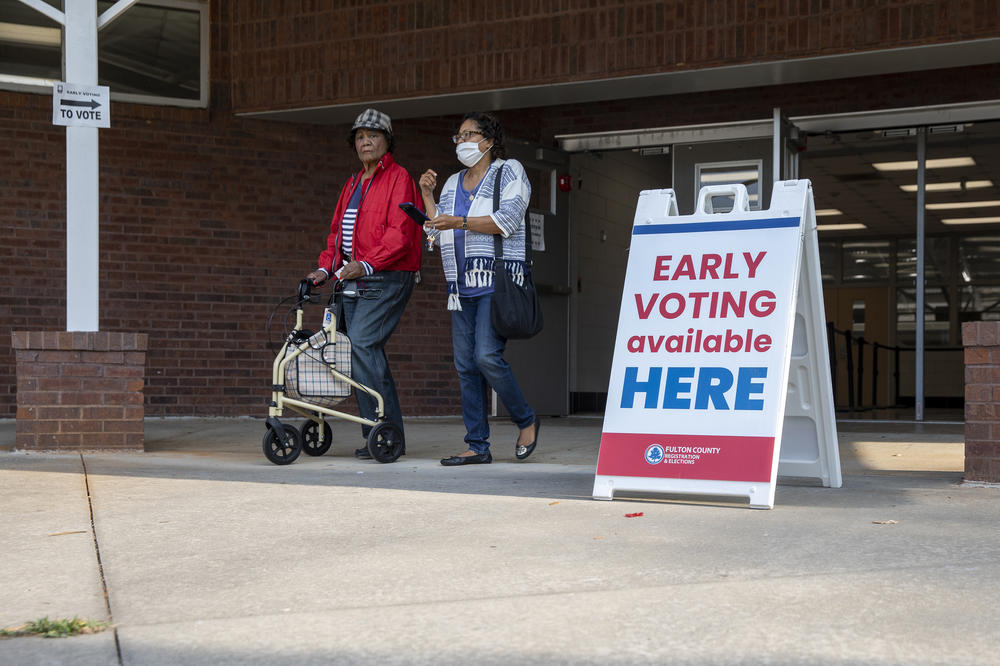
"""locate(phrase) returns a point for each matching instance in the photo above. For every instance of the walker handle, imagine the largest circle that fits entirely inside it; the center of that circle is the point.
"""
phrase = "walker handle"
(305, 291)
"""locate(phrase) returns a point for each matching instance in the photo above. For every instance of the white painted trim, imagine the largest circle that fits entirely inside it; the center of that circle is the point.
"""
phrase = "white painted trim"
(937, 114)
(113, 12)
(25, 83)
(659, 136)
(47, 9)
(942, 114)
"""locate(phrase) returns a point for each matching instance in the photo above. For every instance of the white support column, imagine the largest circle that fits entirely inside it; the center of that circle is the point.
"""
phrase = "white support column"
(82, 186)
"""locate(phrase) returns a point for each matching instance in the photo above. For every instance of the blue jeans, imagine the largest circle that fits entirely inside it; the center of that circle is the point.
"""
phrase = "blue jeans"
(370, 317)
(480, 363)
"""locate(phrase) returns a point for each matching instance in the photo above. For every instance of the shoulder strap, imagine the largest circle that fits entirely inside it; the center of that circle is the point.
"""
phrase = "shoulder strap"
(497, 241)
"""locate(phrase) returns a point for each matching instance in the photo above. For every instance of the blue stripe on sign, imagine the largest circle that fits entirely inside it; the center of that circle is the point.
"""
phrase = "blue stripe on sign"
(695, 227)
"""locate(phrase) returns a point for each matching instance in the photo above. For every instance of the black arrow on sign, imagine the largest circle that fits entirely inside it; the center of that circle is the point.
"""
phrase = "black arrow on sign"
(93, 104)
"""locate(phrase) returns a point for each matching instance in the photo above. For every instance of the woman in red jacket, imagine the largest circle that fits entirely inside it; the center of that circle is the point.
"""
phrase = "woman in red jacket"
(375, 249)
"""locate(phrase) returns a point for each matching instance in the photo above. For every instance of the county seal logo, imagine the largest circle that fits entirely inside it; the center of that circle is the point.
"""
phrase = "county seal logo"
(654, 454)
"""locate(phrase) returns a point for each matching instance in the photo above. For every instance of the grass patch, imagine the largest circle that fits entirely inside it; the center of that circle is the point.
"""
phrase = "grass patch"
(47, 628)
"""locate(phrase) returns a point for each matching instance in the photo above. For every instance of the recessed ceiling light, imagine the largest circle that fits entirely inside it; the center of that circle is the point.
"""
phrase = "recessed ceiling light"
(963, 204)
(840, 227)
(828, 211)
(954, 186)
(971, 220)
(941, 163)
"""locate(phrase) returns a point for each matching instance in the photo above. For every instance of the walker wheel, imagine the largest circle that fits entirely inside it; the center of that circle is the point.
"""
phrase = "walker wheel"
(385, 442)
(279, 452)
(311, 444)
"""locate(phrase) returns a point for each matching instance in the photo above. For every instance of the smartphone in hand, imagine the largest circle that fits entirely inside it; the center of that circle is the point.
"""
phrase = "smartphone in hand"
(415, 213)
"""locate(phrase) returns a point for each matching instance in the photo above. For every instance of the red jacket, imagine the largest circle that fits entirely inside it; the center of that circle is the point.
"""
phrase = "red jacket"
(384, 236)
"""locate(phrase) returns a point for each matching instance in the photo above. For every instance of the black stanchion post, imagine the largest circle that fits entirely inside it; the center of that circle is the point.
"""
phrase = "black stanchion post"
(831, 343)
(895, 375)
(861, 373)
(875, 347)
(849, 346)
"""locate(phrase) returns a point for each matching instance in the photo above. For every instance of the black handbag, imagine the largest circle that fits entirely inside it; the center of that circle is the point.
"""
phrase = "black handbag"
(515, 310)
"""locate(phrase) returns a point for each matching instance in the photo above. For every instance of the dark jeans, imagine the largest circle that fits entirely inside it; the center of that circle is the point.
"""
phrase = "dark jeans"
(370, 317)
(479, 361)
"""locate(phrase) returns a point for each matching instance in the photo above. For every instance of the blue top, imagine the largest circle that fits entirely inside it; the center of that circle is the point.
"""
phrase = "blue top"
(463, 199)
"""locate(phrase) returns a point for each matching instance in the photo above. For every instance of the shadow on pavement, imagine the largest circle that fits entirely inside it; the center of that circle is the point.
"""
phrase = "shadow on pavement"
(881, 456)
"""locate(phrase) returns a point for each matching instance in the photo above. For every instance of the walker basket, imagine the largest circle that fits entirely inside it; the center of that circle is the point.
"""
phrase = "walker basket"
(308, 376)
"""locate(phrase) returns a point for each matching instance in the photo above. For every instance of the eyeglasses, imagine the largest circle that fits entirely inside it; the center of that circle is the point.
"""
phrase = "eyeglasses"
(464, 136)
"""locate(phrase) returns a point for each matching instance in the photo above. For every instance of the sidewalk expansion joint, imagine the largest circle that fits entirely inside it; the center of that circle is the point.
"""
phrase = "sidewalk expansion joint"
(100, 564)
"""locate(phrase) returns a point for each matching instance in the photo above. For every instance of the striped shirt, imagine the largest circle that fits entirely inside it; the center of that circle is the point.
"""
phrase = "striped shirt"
(347, 226)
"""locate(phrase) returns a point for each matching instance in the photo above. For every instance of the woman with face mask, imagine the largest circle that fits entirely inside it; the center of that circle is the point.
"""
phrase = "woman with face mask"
(464, 224)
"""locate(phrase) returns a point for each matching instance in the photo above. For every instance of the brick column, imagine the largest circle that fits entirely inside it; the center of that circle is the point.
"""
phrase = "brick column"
(80, 391)
(981, 340)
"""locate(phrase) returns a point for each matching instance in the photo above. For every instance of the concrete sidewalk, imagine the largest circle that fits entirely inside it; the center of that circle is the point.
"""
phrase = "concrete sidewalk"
(211, 555)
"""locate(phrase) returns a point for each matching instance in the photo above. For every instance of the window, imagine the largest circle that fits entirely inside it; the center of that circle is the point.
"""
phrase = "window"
(745, 173)
(937, 260)
(866, 261)
(979, 258)
(937, 330)
(829, 253)
(156, 52)
(30, 45)
(980, 303)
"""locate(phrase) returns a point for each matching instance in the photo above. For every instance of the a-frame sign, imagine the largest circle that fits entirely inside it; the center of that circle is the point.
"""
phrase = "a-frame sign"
(720, 363)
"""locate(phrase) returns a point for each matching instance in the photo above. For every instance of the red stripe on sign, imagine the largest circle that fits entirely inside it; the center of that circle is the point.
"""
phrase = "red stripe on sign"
(707, 457)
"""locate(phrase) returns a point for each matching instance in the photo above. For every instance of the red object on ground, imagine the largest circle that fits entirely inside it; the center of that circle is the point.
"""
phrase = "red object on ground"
(633, 515)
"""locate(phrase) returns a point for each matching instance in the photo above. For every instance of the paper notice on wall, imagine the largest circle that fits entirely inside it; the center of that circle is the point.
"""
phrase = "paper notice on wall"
(537, 222)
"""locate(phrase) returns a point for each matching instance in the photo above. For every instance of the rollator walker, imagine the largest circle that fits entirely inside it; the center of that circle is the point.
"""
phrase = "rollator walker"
(310, 375)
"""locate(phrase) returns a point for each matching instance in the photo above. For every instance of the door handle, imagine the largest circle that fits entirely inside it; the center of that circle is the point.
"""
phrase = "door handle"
(553, 289)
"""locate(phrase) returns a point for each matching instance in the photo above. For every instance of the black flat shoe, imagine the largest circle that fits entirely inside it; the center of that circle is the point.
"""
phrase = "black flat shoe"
(522, 452)
(363, 453)
(478, 459)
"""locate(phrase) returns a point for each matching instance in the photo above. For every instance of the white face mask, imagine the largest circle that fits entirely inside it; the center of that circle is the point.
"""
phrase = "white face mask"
(468, 153)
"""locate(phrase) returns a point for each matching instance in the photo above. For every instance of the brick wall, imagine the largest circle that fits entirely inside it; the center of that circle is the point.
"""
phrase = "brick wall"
(982, 400)
(79, 391)
(206, 223)
(208, 220)
(288, 55)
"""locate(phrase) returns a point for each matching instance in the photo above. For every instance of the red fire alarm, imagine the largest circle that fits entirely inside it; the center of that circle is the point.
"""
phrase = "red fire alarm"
(565, 183)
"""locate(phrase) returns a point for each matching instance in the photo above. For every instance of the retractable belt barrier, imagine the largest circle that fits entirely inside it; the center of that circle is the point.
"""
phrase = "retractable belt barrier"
(720, 361)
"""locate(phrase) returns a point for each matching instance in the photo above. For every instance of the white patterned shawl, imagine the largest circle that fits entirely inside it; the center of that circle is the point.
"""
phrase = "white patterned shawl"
(515, 192)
